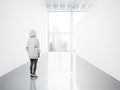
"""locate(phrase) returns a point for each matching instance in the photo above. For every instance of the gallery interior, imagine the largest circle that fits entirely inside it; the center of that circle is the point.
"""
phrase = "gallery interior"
(79, 44)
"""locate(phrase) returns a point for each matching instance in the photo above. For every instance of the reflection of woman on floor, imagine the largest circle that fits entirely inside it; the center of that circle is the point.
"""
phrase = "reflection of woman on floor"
(33, 84)
(33, 52)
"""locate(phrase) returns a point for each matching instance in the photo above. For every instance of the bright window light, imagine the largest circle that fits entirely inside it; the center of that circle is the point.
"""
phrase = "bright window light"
(59, 22)
(62, 27)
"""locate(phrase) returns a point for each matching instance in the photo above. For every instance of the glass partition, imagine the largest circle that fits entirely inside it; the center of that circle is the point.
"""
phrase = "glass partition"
(61, 33)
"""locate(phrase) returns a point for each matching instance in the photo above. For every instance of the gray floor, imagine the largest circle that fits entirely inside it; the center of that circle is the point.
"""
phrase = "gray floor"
(87, 77)
(91, 78)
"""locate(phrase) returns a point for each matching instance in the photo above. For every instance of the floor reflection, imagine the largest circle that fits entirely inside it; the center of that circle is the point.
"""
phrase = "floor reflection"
(33, 84)
(59, 71)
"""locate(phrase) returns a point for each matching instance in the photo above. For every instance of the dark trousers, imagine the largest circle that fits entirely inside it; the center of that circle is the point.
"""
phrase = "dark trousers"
(33, 66)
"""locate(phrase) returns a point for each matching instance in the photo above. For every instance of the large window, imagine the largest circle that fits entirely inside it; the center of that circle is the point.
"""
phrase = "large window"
(62, 31)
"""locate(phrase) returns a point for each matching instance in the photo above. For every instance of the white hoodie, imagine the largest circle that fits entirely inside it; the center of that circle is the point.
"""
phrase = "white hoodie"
(33, 46)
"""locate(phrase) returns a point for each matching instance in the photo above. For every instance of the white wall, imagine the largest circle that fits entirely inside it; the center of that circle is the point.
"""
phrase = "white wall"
(98, 35)
(17, 18)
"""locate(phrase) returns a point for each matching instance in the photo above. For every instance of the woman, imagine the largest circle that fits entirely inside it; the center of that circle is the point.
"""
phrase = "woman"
(33, 52)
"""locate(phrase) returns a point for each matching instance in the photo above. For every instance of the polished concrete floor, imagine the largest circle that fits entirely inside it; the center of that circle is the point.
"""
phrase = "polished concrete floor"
(59, 71)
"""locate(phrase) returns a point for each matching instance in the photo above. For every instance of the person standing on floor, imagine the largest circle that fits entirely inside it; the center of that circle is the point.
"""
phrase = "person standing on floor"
(33, 50)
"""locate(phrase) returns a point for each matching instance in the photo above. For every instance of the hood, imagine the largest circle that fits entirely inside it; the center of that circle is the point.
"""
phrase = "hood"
(33, 33)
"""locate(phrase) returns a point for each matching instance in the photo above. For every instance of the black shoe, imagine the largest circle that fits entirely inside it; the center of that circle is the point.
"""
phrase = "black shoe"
(31, 75)
(34, 75)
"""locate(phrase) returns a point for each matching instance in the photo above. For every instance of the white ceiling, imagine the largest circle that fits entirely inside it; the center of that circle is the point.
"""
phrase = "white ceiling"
(68, 5)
